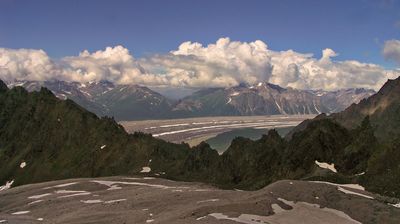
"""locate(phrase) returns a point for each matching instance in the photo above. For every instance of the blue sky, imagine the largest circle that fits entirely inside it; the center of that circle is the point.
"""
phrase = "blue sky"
(355, 29)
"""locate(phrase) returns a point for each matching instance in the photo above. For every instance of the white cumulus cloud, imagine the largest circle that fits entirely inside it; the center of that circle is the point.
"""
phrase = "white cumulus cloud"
(221, 64)
(114, 64)
(225, 63)
(391, 50)
(303, 71)
(26, 64)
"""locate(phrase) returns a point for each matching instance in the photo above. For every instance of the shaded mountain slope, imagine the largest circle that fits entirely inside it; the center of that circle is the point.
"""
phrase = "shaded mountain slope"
(374, 148)
(58, 139)
(383, 108)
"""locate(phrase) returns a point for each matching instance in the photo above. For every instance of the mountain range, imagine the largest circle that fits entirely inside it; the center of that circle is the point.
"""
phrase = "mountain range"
(44, 138)
(134, 102)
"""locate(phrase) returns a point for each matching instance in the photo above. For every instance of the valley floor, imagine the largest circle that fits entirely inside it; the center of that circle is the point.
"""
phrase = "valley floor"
(195, 130)
(155, 200)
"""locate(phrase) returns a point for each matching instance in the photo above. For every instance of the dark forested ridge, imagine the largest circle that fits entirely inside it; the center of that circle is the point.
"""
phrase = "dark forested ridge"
(59, 139)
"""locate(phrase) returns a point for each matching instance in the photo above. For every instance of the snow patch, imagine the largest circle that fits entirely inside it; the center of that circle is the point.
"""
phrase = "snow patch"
(20, 213)
(316, 109)
(328, 166)
(209, 200)
(277, 209)
(202, 190)
(145, 169)
(91, 201)
(355, 193)
(115, 201)
(39, 196)
(6, 186)
(65, 185)
(279, 108)
(103, 146)
(341, 188)
(69, 192)
(35, 202)
(359, 174)
(352, 186)
(111, 183)
(22, 165)
(74, 195)
(315, 214)
(200, 218)
(114, 187)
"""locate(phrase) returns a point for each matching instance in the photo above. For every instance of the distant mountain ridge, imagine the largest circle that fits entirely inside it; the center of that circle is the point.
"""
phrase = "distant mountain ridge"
(339, 100)
(123, 102)
(134, 102)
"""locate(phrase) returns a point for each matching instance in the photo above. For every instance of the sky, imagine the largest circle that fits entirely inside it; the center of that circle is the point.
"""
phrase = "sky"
(357, 30)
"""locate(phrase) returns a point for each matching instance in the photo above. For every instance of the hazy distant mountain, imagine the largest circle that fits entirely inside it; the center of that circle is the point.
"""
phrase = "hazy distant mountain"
(129, 102)
(77, 92)
(123, 102)
(339, 100)
(266, 98)
(133, 102)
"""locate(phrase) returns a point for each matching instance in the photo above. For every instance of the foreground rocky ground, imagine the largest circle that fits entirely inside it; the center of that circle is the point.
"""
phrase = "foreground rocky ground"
(154, 200)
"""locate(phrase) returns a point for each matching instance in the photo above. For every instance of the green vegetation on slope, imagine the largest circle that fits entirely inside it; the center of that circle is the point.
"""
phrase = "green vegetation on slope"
(222, 141)
(59, 139)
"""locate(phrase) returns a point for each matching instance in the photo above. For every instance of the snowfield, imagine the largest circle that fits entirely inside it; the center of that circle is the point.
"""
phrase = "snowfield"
(153, 200)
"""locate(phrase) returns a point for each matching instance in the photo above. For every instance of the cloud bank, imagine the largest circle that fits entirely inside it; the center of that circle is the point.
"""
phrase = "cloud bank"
(221, 64)
(391, 50)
